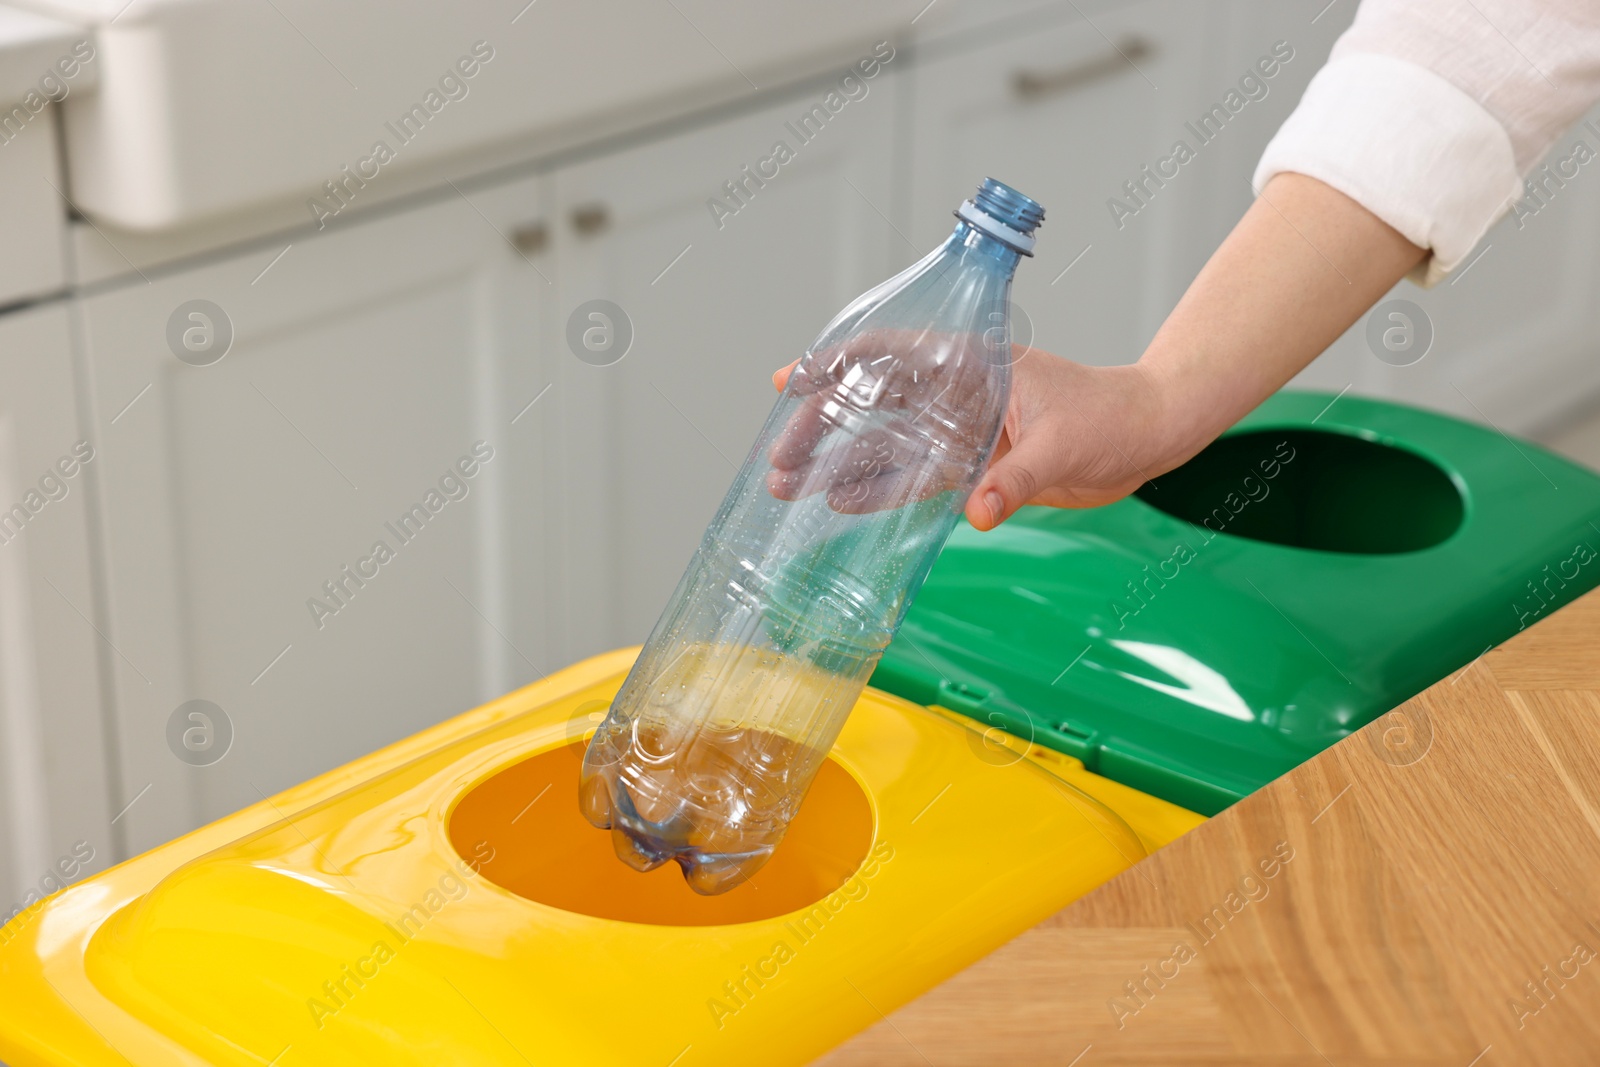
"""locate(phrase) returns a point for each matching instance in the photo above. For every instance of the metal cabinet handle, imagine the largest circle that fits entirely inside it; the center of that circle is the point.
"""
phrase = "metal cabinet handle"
(590, 219)
(530, 237)
(1034, 85)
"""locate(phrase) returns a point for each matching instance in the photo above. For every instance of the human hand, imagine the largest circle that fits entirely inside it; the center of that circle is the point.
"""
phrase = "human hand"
(1304, 263)
(1074, 435)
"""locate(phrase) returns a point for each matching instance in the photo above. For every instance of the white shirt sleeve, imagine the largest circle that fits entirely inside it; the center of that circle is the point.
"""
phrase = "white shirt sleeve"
(1429, 112)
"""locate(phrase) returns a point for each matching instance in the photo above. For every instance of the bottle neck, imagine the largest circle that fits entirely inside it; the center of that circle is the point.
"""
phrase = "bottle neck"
(967, 240)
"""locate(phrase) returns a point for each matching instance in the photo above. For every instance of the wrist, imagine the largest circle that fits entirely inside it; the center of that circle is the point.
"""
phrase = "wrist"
(1185, 410)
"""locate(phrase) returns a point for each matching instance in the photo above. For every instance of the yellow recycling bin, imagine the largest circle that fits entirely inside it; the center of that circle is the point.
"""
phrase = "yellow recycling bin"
(443, 902)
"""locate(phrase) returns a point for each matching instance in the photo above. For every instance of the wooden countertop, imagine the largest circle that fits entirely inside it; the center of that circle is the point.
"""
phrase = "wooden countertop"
(1426, 893)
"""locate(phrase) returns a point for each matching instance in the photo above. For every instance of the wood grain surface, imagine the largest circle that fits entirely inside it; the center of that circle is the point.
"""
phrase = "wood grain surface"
(1426, 893)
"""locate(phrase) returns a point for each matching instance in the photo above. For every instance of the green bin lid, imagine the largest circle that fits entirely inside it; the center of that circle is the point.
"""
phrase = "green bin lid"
(1319, 564)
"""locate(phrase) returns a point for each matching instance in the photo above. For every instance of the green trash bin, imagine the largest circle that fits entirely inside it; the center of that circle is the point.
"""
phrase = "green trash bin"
(1309, 571)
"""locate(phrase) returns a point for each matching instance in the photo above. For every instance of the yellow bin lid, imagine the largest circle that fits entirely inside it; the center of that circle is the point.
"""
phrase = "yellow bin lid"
(442, 901)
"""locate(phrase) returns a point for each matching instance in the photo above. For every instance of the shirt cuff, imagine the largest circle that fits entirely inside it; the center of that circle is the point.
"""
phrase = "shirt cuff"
(1406, 145)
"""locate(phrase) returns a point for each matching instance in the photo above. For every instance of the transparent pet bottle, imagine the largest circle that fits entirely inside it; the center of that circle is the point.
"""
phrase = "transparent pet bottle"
(806, 571)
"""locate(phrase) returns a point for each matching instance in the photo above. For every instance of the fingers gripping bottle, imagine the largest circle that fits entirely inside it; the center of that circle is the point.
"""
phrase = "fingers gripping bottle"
(808, 567)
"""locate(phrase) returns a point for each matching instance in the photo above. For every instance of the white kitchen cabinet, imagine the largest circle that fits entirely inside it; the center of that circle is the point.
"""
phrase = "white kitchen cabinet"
(58, 795)
(715, 309)
(257, 115)
(365, 364)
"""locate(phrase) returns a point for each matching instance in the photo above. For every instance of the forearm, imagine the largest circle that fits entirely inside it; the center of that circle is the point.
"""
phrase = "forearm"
(1302, 265)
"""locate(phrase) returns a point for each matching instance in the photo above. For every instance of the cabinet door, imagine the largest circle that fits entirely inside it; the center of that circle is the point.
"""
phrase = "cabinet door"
(56, 806)
(1067, 113)
(367, 398)
(716, 302)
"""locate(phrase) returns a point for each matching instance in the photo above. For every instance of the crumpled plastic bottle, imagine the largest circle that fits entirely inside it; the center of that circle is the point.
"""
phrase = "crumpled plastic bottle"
(806, 571)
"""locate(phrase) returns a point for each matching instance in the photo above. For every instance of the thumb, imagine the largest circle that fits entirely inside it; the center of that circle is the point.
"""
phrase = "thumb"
(1010, 482)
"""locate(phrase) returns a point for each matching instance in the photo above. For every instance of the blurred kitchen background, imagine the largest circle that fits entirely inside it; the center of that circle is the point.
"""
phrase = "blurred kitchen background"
(258, 344)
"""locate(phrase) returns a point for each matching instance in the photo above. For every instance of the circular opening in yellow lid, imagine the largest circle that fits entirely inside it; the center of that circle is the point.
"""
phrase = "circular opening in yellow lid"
(526, 819)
